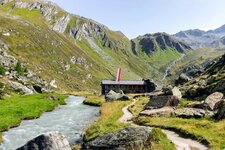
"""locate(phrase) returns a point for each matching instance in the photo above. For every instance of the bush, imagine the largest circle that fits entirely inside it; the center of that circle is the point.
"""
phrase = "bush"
(2, 70)
(20, 69)
(1, 85)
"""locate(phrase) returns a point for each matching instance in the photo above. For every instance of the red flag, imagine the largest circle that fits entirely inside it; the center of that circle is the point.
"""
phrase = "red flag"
(118, 74)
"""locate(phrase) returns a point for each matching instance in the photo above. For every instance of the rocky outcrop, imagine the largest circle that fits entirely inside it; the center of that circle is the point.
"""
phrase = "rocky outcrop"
(192, 113)
(162, 101)
(111, 96)
(161, 112)
(26, 83)
(214, 100)
(129, 138)
(61, 23)
(48, 141)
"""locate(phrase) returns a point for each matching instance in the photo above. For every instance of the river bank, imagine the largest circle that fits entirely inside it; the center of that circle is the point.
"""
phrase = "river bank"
(70, 119)
(17, 108)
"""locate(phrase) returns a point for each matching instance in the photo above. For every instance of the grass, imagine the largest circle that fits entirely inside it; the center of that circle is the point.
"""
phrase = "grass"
(159, 141)
(138, 106)
(94, 100)
(108, 121)
(15, 109)
(203, 130)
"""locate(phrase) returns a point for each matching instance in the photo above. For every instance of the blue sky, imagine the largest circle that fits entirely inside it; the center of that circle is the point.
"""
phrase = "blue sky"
(138, 17)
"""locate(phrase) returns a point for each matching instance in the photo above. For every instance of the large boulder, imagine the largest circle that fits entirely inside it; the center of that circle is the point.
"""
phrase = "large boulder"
(129, 138)
(221, 111)
(48, 141)
(111, 96)
(183, 78)
(167, 90)
(161, 112)
(176, 92)
(214, 100)
(192, 113)
(162, 101)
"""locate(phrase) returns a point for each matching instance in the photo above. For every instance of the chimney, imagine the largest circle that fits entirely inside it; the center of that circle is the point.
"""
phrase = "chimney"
(118, 75)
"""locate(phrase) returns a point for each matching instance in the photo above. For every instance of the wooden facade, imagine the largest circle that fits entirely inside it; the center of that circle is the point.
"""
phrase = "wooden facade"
(128, 86)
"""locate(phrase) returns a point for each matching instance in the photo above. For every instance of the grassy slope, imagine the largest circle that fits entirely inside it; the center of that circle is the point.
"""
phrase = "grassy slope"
(202, 129)
(17, 108)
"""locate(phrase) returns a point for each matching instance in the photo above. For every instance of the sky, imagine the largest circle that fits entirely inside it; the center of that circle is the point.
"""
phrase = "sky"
(138, 17)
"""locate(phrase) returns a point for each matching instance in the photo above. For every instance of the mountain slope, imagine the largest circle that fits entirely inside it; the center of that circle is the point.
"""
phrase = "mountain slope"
(159, 49)
(78, 59)
(75, 52)
(203, 39)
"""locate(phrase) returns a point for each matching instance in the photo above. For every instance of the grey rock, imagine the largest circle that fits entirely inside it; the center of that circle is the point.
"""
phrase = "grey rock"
(167, 90)
(183, 78)
(221, 111)
(161, 112)
(54, 98)
(61, 24)
(162, 101)
(214, 100)
(48, 141)
(111, 96)
(192, 113)
(125, 139)
(200, 105)
(176, 92)
(16, 86)
(53, 84)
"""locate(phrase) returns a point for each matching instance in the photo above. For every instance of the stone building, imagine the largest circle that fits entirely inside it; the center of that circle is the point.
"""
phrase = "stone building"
(127, 86)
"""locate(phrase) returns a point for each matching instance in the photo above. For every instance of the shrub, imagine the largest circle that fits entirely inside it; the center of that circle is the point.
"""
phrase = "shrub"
(20, 69)
(2, 70)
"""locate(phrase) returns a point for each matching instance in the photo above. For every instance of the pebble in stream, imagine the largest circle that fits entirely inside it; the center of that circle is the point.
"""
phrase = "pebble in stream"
(68, 119)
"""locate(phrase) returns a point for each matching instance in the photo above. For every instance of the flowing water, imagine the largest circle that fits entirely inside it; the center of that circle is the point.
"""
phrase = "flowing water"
(171, 66)
(70, 119)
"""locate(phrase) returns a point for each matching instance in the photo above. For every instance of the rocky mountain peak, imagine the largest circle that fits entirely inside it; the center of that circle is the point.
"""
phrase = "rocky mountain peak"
(220, 29)
(202, 39)
(149, 43)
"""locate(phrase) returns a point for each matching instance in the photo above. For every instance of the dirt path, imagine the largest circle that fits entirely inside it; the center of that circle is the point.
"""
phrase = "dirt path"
(127, 115)
(184, 143)
(180, 142)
